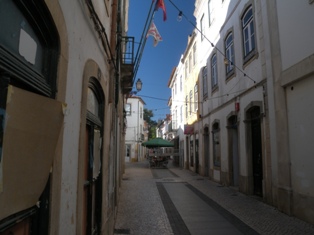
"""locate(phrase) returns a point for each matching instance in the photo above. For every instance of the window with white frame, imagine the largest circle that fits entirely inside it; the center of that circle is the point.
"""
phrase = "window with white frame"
(248, 32)
(127, 108)
(229, 53)
(214, 71)
(210, 12)
(181, 83)
(191, 97)
(205, 82)
(202, 27)
(186, 106)
(190, 62)
(181, 113)
(194, 54)
(175, 88)
(175, 118)
(186, 67)
(195, 97)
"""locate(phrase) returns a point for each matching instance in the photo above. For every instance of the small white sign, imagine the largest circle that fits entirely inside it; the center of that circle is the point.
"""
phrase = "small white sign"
(27, 47)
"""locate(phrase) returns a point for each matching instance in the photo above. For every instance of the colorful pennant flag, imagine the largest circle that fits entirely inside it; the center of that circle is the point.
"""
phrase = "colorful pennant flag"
(152, 31)
(161, 4)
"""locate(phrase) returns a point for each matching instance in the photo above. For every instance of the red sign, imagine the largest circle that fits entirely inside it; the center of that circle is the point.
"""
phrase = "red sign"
(237, 106)
(188, 129)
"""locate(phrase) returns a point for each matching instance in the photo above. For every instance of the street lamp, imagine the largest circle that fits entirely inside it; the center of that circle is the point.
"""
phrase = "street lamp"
(138, 86)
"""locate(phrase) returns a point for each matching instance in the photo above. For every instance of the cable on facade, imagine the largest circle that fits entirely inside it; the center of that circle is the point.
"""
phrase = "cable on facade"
(101, 32)
(212, 44)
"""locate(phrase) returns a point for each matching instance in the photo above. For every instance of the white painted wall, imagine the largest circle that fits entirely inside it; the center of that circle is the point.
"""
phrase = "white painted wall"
(295, 19)
(83, 45)
(300, 106)
(134, 123)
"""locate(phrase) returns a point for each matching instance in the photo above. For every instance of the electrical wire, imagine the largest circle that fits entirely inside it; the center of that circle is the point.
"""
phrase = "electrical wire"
(212, 44)
(143, 40)
(101, 32)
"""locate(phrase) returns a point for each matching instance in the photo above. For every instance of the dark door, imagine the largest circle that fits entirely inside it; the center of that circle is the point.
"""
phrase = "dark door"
(196, 157)
(257, 151)
(206, 151)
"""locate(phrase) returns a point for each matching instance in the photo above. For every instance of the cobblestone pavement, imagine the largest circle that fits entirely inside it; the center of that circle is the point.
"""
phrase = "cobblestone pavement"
(141, 210)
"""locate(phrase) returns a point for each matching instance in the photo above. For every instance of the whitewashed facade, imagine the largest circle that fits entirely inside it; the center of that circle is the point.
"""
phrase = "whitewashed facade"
(254, 123)
(134, 110)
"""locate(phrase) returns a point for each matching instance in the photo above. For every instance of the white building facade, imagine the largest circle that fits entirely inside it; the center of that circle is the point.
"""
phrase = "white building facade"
(177, 107)
(254, 119)
(134, 111)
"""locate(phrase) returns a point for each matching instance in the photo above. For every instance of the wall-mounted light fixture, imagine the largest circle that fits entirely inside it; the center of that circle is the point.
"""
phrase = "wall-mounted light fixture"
(226, 61)
(138, 86)
(179, 18)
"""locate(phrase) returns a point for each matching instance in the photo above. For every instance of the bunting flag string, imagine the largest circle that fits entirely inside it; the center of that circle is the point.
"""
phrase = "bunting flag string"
(152, 31)
(161, 4)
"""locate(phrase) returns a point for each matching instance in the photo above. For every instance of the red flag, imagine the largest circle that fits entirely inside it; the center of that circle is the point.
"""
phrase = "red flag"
(152, 31)
(161, 4)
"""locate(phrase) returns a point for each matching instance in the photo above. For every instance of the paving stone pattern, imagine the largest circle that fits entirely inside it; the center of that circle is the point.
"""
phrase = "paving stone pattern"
(141, 207)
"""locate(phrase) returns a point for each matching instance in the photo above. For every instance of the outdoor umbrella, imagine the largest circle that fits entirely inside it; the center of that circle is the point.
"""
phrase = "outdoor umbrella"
(157, 142)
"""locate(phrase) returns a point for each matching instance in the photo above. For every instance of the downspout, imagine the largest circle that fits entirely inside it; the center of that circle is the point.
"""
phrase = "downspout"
(115, 46)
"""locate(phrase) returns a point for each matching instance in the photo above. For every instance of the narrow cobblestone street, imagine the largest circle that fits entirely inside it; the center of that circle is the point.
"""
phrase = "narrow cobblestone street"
(176, 201)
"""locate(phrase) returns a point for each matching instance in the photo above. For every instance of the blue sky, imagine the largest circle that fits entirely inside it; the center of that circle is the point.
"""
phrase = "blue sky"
(157, 62)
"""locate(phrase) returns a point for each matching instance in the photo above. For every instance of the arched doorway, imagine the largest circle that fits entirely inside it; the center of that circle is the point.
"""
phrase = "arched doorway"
(93, 159)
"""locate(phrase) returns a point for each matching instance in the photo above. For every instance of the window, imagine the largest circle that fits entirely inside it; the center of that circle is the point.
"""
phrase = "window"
(248, 32)
(210, 12)
(186, 106)
(181, 83)
(190, 62)
(205, 82)
(141, 112)
(181, 113)
(186, 69)
(216, 144)
(214, 71)
(29, 51)
(229, 53)
(29, 55)
(202, 28)
(174, 126)
(175, 88)
(127, 109)
(194, 54)
(195, 97)
(92, 102)
(191, 96)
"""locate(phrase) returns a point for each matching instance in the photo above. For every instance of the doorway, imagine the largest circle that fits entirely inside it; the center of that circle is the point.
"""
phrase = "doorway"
(92, 197)
(257, 161)
(196, 157)
(233, 150)
(206, 150)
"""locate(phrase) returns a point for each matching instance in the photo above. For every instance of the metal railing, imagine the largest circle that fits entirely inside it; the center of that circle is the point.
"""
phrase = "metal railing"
(127, 50)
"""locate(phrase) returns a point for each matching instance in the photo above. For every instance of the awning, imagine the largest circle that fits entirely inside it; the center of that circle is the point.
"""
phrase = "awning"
(157, 142)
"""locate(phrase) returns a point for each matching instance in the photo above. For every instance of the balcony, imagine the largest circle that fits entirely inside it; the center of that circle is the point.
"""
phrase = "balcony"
(127, 64)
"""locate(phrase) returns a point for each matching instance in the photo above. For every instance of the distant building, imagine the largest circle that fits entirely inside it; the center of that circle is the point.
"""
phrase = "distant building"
(135, 129)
